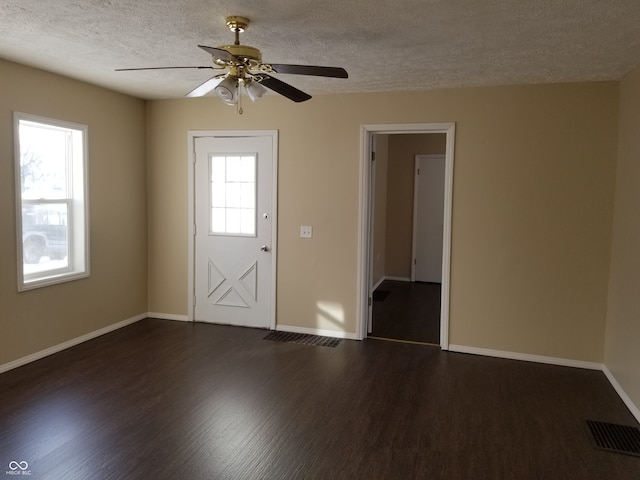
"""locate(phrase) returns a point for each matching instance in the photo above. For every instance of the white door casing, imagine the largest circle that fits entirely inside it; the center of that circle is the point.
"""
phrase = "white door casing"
(428, 218)
(234, 234)
(370, 233)
(367, 132)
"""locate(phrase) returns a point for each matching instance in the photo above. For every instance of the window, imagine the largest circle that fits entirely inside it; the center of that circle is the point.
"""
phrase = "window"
(233, 194)
(51, 201)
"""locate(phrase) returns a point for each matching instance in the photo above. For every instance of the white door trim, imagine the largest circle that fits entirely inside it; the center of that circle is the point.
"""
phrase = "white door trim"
(191, 156)
(414, 235)
(363, 309)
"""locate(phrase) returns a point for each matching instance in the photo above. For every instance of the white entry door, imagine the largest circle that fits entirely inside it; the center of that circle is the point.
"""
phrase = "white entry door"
(234, 231)
(428, 220)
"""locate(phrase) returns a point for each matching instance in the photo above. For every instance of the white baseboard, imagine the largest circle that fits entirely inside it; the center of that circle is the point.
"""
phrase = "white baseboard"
(70, 343)
(564, 362)
(316, 331)
(378, 283)
(395, 279)
(168, 316)
(635, 411)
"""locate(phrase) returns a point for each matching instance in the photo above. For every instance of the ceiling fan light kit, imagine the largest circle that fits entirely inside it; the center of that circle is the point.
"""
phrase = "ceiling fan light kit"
(245, 69)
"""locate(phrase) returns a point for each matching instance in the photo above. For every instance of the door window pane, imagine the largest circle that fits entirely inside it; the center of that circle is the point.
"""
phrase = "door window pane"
(233, 194)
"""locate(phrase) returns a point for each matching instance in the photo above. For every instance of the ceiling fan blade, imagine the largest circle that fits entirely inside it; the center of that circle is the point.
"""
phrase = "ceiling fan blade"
(220, 54)
(156, 68)
(205, 87)
(292, 93)
(335, 72)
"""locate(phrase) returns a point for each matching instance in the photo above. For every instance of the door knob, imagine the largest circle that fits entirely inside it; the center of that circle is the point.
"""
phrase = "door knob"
(264, 248)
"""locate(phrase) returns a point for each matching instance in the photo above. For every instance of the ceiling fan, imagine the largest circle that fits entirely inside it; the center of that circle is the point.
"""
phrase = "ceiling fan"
(244, 68)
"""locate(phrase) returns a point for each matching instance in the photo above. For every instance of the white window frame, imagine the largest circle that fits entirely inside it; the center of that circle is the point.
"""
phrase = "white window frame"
(77, 203)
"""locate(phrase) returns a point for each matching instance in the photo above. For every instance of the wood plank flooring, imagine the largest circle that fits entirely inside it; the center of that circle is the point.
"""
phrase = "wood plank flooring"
(165, 400)
(409, 311)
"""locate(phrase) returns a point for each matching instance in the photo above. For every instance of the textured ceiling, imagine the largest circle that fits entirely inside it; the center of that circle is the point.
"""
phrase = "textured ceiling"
(384, 45)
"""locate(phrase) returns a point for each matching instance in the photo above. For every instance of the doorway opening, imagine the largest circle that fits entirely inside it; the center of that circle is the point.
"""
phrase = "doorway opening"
(405, 227)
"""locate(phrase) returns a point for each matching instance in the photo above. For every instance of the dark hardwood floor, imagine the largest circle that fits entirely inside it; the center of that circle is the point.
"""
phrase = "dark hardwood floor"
(407, 311)
(166, 400)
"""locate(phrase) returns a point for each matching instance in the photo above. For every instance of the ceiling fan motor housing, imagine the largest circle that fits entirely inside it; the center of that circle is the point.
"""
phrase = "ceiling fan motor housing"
(246, 53)
(243, 52)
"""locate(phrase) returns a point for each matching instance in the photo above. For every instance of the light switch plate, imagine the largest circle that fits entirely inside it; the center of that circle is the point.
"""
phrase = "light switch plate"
(306, 232)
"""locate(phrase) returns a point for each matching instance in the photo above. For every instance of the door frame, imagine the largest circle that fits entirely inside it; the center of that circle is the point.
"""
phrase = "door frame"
(414, 233)
(365, 220)
(192, 135)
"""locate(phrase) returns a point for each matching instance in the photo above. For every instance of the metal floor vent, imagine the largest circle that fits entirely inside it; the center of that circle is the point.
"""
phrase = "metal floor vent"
(303, 338)
(615, 438)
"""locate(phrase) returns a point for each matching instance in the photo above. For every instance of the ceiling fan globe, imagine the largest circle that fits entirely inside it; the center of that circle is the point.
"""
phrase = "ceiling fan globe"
(254, 90)
(227, 90)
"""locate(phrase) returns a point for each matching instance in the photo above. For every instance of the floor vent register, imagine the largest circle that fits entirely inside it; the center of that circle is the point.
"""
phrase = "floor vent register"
(304, 339)
(615, 438)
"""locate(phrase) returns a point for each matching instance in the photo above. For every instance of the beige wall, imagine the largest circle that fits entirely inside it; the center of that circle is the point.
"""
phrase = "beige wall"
(402, 154)
(38, 319)
(533, 199)
(318, 186)
(622, 350)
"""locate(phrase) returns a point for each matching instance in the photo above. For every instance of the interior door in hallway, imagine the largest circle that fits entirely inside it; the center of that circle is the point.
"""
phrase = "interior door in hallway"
(428, 218)
(234, 229)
